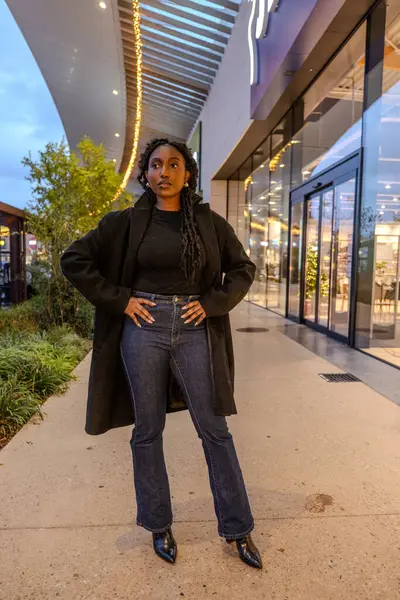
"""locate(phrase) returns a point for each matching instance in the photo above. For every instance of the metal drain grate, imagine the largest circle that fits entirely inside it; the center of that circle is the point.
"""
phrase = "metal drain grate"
(339, 377)
(252, 329)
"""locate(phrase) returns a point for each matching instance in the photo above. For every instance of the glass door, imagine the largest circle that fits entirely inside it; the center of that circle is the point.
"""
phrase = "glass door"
(322, 223)
(312, 257)
(342, 256)
(325, 258)
(296, 233)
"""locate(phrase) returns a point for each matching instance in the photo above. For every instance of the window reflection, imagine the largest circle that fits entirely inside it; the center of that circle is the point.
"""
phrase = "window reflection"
(330, 113)
(378, 313)
(278, 207)
(258, 211)
(295, 259)
(5, 266)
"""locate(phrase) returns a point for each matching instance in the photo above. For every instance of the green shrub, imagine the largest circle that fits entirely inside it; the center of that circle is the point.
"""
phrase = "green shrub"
(17, 405)
(59, 304)
(39, 314)
(20, 317)
(32, 368)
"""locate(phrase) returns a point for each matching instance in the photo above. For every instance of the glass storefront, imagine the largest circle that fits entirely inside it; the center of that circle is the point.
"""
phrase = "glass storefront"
(12, 256)
(5, 266)
(317, 206)
(378, 312)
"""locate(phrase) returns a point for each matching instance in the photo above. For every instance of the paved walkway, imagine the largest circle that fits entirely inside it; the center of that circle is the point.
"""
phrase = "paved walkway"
(322, 465)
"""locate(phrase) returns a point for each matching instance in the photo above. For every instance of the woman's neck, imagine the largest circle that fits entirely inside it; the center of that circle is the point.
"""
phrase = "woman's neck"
(172, 204)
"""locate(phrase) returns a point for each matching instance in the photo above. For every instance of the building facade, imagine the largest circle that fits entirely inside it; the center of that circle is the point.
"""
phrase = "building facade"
(12, 255)
(300, 153)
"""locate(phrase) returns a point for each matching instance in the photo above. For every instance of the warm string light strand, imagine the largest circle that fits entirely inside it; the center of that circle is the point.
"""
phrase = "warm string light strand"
(139, 97)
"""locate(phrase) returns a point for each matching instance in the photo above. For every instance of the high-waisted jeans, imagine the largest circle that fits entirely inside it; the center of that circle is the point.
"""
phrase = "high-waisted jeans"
(148, 354)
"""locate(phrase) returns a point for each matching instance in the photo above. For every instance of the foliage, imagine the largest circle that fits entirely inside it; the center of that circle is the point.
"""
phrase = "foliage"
(42, 313)
(381, 266)
(70, 193)
(32, 368)
(17, 406)
(312, 273)
(19, 317)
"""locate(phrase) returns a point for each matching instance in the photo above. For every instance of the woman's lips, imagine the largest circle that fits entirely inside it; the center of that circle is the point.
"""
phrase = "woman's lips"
(164, 184)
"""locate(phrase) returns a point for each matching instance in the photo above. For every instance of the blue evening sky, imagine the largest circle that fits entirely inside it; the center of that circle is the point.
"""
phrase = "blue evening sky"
(28, 116)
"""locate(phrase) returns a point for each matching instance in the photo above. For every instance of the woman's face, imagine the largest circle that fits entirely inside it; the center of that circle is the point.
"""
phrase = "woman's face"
(167, 172)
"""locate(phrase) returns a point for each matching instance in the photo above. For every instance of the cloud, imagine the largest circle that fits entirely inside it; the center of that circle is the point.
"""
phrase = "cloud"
(28, 116)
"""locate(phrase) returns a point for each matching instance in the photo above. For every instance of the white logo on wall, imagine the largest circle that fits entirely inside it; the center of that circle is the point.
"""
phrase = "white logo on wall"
(258, 25)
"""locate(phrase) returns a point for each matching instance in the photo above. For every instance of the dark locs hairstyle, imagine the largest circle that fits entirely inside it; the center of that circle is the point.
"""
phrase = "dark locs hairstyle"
(191, 248)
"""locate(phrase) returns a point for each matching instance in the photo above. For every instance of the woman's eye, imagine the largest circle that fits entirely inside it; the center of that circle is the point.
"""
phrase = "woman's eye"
(174, 165)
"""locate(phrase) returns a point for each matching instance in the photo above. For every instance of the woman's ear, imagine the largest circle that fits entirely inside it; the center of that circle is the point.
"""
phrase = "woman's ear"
(187, 176)
(146, 173)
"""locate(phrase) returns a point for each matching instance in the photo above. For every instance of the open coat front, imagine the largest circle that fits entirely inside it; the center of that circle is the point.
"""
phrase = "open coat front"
(101, 265)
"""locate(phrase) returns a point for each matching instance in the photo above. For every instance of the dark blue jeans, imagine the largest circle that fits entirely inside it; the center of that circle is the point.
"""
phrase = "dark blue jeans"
(148, 354)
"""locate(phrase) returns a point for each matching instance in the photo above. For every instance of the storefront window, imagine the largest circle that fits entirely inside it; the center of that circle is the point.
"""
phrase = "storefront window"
(244, 202)
(296, 230)
(5, 266)
(328, 118)
(258, 209)
(233, 200)
(378, 294)
(278, 221)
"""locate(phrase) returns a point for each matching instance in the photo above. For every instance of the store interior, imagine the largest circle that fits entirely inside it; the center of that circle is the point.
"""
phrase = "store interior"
(324, 127)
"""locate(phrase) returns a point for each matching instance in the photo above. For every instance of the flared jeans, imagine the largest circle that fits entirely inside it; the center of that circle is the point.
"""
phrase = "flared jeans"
(148, 354)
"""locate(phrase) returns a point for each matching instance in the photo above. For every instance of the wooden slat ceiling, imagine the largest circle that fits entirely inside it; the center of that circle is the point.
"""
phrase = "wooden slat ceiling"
(183, 42)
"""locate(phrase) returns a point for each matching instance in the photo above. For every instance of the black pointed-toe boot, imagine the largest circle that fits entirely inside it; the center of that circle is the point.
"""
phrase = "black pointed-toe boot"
(248, 551)
(165, 546)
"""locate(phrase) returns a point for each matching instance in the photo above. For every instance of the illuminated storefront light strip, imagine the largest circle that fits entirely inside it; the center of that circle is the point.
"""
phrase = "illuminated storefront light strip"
(139, 97)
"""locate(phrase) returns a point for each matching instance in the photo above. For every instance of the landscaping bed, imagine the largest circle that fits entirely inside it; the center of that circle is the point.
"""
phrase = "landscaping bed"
(34, 365)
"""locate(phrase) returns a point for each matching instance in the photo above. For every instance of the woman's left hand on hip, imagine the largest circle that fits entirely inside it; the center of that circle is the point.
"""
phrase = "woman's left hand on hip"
(195, 312)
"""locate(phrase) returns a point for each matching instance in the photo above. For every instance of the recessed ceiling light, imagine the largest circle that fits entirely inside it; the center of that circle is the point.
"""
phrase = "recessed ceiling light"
(103, 5)
(383, 206)
(117, 135)
(114, 160)
(388, 187)
(281, 166)
(115, 92)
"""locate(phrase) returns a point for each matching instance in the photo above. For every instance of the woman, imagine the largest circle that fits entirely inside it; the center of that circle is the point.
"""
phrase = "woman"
(162, 338)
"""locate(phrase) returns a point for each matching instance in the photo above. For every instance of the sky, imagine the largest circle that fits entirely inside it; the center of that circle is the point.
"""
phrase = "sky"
(28, 116)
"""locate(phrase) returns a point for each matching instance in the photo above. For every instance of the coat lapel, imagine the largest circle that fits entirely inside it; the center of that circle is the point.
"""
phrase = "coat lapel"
(205, 224)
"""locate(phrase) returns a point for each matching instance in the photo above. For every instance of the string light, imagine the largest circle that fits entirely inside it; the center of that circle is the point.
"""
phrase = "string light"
(248, 181)
(139, 86)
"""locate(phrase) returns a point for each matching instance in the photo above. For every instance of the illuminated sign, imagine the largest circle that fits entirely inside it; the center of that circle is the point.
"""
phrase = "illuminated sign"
(258, 25)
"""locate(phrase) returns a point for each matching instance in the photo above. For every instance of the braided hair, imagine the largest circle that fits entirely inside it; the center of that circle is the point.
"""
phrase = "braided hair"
(191, 247)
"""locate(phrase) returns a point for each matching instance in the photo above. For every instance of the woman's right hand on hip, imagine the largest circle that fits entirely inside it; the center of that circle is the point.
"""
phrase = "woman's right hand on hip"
(136, 308)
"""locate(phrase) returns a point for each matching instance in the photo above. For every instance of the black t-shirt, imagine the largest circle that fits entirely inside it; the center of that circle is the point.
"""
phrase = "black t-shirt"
(159, 257)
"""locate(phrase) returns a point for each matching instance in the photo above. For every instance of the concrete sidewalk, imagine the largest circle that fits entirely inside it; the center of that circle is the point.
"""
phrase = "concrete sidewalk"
(67, 505)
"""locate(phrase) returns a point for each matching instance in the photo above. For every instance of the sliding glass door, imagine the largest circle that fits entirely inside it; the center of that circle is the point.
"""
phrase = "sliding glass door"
(321, 246)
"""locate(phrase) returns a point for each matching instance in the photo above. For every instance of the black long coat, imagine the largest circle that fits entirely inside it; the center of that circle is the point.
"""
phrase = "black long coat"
(101, 266)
